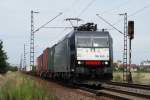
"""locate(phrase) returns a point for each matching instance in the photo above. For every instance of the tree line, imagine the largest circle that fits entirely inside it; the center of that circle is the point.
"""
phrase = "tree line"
(4, 66)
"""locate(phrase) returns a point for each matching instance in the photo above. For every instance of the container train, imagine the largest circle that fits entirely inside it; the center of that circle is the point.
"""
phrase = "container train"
(83, 54)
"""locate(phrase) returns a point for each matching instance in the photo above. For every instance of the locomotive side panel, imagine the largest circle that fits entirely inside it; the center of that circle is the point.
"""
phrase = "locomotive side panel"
(51, 59)
(61, 57)
(72, 51)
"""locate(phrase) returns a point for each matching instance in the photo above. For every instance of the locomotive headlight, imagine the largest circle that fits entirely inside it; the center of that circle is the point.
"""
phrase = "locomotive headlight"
(72, 70)
(79, 62)
(106, 62)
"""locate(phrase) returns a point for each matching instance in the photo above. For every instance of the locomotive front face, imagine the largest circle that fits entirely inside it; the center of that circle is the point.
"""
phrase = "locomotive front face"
(92, 49)
(93, 53)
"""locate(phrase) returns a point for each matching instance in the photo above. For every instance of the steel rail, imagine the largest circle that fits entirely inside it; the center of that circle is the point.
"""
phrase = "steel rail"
(102, 93)
(132, 85)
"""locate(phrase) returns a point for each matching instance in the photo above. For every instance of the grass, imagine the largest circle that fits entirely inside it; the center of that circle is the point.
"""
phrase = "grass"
(117, 78)
(138, 77)
(21, 87)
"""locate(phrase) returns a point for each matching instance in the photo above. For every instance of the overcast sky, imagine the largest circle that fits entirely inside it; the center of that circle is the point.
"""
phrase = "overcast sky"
(15, 24)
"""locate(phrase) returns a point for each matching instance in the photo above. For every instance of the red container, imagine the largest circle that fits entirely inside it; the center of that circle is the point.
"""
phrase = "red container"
(45, 59)
(39, 64)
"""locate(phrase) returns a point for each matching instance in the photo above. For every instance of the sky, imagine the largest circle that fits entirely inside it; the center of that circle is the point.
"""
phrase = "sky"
(15, 24)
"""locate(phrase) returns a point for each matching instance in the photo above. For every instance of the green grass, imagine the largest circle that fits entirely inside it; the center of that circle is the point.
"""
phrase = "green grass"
(117, 78)
(22, 87)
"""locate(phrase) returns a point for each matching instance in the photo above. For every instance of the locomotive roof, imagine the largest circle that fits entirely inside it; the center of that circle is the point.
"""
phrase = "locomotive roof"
(85, 32)
(103, 33)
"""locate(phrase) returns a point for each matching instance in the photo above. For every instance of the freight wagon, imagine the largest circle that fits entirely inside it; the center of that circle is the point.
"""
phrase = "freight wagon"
(83, 54)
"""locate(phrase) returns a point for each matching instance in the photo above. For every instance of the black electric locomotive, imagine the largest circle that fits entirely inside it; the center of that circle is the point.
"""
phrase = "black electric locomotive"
(82, 55)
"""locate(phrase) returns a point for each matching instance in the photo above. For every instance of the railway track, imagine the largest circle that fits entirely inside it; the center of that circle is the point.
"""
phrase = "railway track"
(104, 93)
(121, 91)
(132, 85)
(115, 90)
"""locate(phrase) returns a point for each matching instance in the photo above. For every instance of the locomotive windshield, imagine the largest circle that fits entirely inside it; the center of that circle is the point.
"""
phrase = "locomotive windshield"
(84, 42)
(92, 42)
(92, 48)
(100, 42)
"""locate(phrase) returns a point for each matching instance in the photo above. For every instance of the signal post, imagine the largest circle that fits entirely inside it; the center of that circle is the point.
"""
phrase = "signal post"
(131, 36)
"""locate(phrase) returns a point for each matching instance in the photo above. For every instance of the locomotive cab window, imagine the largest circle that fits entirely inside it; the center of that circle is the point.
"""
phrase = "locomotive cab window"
(84, 42)
(100, 42)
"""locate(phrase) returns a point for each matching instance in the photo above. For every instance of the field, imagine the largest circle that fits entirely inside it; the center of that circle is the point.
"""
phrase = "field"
(138, 77)
(17, 86)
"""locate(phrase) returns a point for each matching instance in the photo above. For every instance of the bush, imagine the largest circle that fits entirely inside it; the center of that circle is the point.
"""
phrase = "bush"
(13, 68)
(116, 69)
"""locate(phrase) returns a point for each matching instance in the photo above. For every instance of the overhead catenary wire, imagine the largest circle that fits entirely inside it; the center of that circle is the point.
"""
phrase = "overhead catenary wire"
(73, 3)
(86, 7)
(109, 23)
(64, 11)
(120, 5)
(139, 10)
(48, 22)
(57, 27)
(133, 14)
(62, 31)
(116, 7)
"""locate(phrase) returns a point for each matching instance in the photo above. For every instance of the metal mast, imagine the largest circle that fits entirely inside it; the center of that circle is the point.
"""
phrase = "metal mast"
(125, 50)
(126, 75)
(24, 60)
(32, 36)
(32, 41)
(21, 62)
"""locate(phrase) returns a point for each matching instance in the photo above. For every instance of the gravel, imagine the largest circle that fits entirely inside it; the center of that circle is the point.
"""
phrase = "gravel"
(65, 93)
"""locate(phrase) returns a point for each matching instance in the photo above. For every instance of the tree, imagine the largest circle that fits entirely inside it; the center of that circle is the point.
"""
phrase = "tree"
(3, 58)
